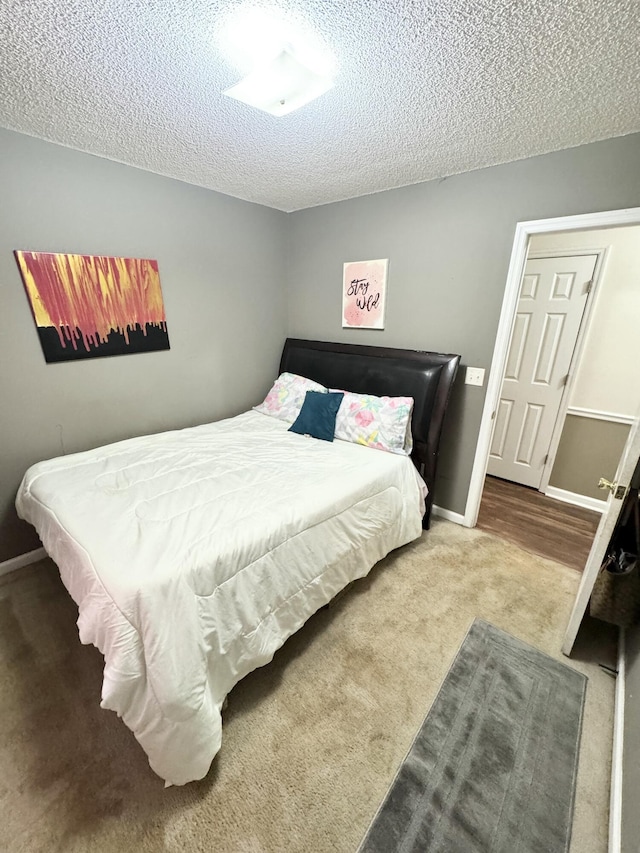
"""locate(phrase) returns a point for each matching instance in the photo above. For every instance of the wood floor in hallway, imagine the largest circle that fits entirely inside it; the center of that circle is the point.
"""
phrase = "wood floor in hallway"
(542, 525)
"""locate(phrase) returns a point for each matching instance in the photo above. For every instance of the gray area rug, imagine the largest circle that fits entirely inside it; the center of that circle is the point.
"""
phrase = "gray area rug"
(494, 764)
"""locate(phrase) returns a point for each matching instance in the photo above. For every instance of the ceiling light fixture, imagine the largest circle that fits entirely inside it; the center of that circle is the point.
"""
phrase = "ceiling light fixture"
(281, 86)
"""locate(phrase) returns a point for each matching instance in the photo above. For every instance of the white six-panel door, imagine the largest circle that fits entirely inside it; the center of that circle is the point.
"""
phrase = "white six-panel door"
(552, 300)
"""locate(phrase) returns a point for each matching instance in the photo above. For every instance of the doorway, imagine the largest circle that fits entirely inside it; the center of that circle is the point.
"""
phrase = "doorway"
(586, 420)
(537, 523)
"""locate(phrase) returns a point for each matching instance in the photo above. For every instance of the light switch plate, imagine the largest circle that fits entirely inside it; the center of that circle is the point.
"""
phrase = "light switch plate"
(475, 376)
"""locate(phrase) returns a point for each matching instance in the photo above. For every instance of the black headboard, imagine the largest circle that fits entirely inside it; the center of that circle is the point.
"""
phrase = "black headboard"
(425, 376)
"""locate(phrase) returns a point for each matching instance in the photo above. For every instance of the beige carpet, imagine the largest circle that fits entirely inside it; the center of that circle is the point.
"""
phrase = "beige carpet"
(310, 742)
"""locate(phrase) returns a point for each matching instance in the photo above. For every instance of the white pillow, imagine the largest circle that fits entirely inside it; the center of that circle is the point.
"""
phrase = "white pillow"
(286, 396)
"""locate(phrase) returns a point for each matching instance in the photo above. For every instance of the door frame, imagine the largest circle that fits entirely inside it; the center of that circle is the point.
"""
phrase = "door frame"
(524, 230)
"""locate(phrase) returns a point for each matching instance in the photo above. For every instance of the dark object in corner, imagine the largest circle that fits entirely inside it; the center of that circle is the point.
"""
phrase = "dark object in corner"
(616, 593)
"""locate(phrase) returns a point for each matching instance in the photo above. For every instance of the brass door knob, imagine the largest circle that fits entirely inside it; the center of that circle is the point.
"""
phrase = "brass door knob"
(619, 492)
(603, 483)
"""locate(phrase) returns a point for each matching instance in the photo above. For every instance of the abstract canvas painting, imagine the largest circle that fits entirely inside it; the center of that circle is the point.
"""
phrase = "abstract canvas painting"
(86, 306)
(364, 286)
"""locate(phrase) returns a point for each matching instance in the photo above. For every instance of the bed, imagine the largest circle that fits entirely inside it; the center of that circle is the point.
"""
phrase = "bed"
(192, 555)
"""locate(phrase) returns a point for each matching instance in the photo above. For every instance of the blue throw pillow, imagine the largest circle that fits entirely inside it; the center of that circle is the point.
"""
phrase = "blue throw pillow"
(318, 415)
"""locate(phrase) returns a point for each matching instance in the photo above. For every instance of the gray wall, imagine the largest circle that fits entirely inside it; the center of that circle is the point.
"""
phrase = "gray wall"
(448, 244)
(631, 745)
(221, 268)
(630, 817)
(588, 449)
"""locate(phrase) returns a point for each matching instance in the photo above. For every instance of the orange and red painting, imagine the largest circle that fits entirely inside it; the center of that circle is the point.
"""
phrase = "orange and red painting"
(87, 305)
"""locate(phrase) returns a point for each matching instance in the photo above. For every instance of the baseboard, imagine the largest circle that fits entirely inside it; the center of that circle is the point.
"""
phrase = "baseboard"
(22, 560)
(447, 514)
(575, 499)
(615, 802)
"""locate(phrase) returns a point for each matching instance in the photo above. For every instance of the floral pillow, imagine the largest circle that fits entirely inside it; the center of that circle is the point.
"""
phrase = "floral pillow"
(286, 396)
(380, 422)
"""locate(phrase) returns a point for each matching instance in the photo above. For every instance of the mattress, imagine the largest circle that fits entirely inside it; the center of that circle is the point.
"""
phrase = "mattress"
(192, 555)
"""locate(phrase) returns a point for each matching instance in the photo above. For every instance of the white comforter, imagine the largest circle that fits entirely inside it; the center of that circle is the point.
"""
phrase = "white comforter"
(192, 556)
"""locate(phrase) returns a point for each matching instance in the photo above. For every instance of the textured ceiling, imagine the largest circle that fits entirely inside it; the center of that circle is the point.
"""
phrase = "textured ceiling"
(423, 89)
